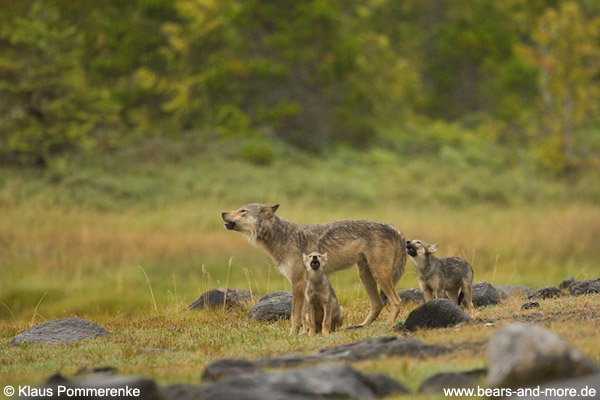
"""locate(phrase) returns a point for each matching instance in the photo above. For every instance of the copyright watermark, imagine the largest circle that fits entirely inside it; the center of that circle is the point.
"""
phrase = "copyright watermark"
(60, 390)
(9, 391)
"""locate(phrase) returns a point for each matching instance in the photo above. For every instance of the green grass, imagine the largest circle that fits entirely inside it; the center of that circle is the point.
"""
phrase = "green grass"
(86, 238)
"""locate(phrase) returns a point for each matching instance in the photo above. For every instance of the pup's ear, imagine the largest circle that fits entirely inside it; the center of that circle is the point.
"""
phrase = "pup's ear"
(432, 248)
(269, 210)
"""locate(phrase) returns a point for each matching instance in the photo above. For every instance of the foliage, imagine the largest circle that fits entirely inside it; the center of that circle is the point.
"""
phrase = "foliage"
(317, 74)
(568, 60)
(48, 106)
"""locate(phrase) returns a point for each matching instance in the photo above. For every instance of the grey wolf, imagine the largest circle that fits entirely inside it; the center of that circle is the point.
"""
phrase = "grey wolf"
(438, 276)
(322, 311)
(377, 249)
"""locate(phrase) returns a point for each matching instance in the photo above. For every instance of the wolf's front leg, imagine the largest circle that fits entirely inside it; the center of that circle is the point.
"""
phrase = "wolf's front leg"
(298, 287)
(326, 327)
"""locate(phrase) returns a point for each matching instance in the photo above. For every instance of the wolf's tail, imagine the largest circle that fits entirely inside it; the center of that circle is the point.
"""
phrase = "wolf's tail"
(461, 296)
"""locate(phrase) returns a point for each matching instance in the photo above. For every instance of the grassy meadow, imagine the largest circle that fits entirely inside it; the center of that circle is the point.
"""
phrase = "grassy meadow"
(129, 240)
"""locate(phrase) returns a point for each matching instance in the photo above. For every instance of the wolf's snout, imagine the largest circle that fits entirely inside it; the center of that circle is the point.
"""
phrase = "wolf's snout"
(315, 264)
(229, 225)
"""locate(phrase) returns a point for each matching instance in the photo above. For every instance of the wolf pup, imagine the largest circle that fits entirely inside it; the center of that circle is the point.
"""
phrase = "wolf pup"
(378, 249)
(439, 275)
(322, 311)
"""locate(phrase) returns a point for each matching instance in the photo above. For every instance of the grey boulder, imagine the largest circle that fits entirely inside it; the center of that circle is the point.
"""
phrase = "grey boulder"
(272, 309)
(585, 287)
(521, 355)
(485, 294)
(545, 292)
(414, 295)
(222, 297)
(323, 382)
(371, 348)
(438, 382)
(437, 313)
(275, 294)
(228, 367)
(60, 331)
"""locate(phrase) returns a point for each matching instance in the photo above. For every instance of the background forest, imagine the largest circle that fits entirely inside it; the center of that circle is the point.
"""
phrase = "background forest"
(517, 79)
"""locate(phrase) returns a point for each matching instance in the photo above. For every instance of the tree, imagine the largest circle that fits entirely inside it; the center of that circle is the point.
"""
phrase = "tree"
(568, 58)
(46, 103)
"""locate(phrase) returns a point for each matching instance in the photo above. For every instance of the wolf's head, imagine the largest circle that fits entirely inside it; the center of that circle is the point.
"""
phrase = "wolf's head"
(315, 262)
(248, 219)
(417, 248)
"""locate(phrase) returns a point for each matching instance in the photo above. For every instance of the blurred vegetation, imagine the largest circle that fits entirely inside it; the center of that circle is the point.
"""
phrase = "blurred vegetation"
(448, 78)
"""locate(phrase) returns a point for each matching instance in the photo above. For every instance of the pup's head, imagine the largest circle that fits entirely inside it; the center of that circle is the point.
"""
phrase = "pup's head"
(247, 219)
(315, 262)
(416, 248)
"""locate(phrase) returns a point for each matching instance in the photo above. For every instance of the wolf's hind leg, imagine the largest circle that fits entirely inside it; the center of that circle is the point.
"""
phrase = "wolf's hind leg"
(467, 290)
(395, 302)
(364, 273)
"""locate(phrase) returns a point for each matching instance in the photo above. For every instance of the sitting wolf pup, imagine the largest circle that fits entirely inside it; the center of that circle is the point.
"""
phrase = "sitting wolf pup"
(322, 312)
(439, 275)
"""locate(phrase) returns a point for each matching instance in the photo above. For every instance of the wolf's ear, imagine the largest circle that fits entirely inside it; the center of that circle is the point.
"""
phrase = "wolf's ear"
(305, 257)
(432, 248)
(324, 256)
(269, 210)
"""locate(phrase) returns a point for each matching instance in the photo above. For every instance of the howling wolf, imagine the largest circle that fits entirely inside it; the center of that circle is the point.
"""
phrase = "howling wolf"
(322, 311)
(378, 249)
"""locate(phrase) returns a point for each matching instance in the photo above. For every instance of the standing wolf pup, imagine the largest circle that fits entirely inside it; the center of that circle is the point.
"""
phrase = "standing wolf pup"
(322, 311)
(378, 249)
(439, 275)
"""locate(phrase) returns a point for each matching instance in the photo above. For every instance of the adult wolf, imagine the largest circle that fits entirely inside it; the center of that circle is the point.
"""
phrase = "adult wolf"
(378, 249)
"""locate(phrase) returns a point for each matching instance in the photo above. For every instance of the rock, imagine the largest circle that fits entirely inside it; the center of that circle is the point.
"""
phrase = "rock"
(272, 309)
(86, 370)
(275, 294)
(485, 295)
(181, 391)
(567, 388)
(124, 385)
(436, 313)
(530, 304)
(438, 382)
(414, 295)
(222, 296)
(60, 331)
(228, 367)
(545, 292)
(514, 290)
(382, 346)
(371, 348)
(521, 355)
(323, 382)
(399, 327)
(566, 284)
(585, 287)
(384, 386)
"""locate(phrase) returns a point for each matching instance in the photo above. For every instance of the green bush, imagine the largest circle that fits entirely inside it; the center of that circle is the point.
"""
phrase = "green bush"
(257, 151)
